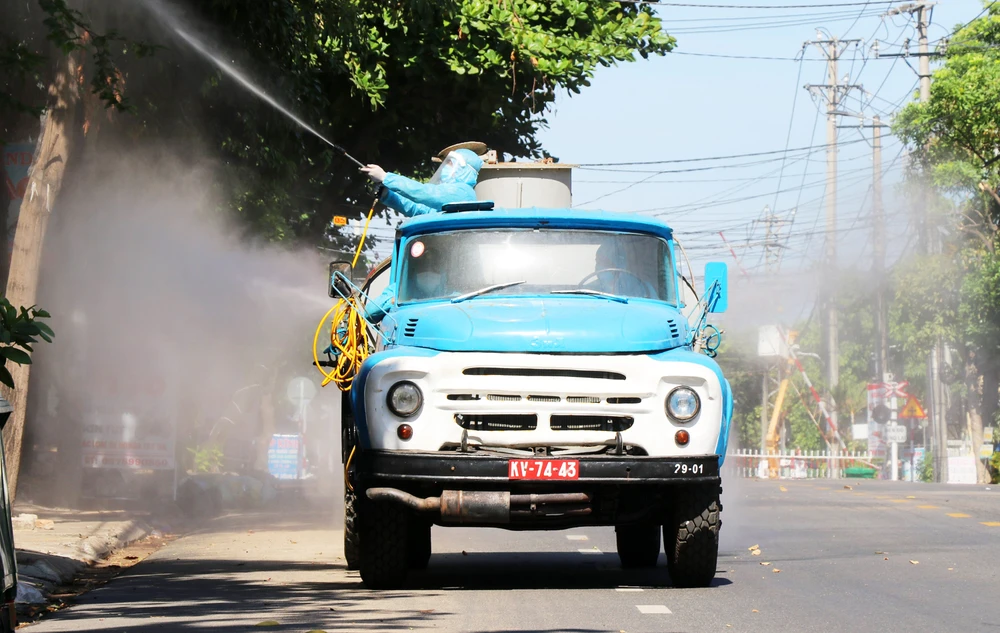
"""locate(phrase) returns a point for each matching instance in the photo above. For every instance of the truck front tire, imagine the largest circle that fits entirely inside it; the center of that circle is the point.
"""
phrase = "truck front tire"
(352, 541)
(638, 545)
(384, 537)
(691, 539)
(420, 543)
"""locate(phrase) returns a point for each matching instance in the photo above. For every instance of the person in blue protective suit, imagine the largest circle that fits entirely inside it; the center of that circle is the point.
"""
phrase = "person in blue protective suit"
(452, 182)
(613, 275)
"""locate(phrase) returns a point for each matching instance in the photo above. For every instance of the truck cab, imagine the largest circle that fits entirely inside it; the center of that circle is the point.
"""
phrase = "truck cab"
(536, 371)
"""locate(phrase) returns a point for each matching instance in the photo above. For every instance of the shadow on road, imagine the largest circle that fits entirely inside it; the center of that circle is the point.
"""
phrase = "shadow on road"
(537, 570)
(222, 595)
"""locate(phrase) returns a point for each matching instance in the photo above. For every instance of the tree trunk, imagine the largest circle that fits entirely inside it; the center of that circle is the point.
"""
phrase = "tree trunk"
(46, 178)
(974, 407)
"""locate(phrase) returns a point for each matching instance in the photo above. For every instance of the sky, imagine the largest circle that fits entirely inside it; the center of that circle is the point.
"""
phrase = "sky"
(688, 105)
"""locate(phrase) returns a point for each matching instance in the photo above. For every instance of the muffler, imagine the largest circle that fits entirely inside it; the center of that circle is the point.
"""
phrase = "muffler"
(486, 506)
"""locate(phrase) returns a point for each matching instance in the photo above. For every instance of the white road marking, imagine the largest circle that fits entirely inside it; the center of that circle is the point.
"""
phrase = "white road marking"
(590, 551)
(577, 537)
(653, 609)
(628, 589)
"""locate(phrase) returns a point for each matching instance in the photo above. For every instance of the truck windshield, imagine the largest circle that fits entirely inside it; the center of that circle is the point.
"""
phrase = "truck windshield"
(536, 262)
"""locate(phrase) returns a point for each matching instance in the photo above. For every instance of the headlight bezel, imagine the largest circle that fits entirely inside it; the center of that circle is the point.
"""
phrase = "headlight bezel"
(394, 389)
(669, 410)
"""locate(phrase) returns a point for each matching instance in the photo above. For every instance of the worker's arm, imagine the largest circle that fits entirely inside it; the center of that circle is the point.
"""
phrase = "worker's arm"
(405, 206)
(431, 195)
(375, 309)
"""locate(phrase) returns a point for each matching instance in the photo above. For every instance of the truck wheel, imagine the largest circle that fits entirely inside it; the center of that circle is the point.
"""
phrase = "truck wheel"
(691, 540)
(384, 544)
(352, 546)
(419, 543)
(638, 545)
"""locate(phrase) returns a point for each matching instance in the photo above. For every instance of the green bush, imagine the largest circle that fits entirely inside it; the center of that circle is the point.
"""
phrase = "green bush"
(207, 458)
(925, 471)
(18, 330)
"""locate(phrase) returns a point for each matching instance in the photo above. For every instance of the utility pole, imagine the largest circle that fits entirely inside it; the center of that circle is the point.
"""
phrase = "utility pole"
(939, 422)
(878, 263)
(834, 92)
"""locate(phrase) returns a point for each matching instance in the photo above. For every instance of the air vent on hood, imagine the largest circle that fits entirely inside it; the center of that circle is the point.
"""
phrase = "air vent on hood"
(674, 330)
(411, 327)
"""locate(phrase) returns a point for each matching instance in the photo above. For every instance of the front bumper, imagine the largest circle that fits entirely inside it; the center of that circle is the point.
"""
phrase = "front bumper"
(473, 471)
(610, 490)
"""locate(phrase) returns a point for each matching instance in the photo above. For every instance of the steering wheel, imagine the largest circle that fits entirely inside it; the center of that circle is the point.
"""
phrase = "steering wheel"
(645, 286)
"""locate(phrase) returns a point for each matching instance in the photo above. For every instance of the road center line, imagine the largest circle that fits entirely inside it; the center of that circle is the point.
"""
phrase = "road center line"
(991, 523)
(653, 609)
(927, 507)
(959, 515)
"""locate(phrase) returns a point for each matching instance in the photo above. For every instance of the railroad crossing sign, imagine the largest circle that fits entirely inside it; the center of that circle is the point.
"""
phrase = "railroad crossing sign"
(913, 410)
(895, 433)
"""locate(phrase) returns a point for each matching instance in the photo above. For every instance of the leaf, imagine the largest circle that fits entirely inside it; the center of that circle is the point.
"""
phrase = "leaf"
(914, 562)
(5, 377)
(15, 355)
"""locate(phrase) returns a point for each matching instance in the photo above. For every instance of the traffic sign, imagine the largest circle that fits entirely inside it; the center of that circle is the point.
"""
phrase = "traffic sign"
(895, 434)
(339, 220)
(913, 409)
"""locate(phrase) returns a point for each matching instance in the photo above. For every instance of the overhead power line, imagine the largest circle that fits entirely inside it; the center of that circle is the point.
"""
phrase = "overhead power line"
(833, 5)
(711, 158)
(758, 57)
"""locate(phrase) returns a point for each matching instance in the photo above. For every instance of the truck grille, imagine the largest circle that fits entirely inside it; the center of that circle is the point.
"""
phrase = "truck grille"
(610, 423)
(536, 372)
(497, 421)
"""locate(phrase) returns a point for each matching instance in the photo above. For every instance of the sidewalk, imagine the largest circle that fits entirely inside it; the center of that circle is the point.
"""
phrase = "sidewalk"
(54, 545)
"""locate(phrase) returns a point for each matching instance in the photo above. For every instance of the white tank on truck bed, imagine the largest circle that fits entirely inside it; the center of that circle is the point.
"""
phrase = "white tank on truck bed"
(520, 185)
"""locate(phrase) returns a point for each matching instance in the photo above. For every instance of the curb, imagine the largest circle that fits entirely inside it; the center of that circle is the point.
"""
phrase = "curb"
(39, 574)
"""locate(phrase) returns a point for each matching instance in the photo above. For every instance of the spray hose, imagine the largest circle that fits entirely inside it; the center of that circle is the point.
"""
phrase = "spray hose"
(349, 338)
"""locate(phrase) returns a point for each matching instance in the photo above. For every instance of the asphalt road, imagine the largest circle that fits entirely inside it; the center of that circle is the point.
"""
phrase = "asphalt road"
(881, 557)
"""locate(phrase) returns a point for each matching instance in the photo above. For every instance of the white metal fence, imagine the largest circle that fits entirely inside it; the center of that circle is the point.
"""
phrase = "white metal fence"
(796, 464)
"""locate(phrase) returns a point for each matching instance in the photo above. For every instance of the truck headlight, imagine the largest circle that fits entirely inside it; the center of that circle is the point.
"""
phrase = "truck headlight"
(404, 399)
(683, 404)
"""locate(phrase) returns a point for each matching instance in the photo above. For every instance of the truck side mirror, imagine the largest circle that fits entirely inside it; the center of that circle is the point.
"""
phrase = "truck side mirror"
(340, 277)
(717, 275)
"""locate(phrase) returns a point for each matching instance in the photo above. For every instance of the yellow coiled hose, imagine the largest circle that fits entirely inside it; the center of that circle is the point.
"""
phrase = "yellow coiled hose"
(348, 331)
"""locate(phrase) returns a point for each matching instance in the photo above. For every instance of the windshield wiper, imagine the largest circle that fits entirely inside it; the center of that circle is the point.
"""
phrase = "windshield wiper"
(487, 289)
(588, 291)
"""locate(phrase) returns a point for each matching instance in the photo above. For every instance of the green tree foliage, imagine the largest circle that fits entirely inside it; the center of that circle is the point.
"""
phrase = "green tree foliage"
(956, 133)
(393, 82)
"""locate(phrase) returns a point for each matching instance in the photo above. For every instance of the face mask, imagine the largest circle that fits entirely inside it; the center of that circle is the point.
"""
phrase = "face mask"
(428, 282)
(446, 172)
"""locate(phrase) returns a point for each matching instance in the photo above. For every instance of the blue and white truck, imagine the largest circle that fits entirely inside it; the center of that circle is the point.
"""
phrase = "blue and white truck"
(537, 372)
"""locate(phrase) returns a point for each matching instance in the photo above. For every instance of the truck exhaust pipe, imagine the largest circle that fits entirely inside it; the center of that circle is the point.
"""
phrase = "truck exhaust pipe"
(485, 506)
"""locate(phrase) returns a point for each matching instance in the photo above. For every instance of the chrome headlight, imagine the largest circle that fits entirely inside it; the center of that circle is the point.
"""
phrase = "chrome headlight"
(404, 399)
(683, 404)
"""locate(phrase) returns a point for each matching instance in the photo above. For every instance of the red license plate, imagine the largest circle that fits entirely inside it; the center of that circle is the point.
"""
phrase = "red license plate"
(547, 469)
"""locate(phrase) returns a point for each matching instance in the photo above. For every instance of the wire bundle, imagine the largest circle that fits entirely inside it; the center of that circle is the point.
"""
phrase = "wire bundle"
(350, 341)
